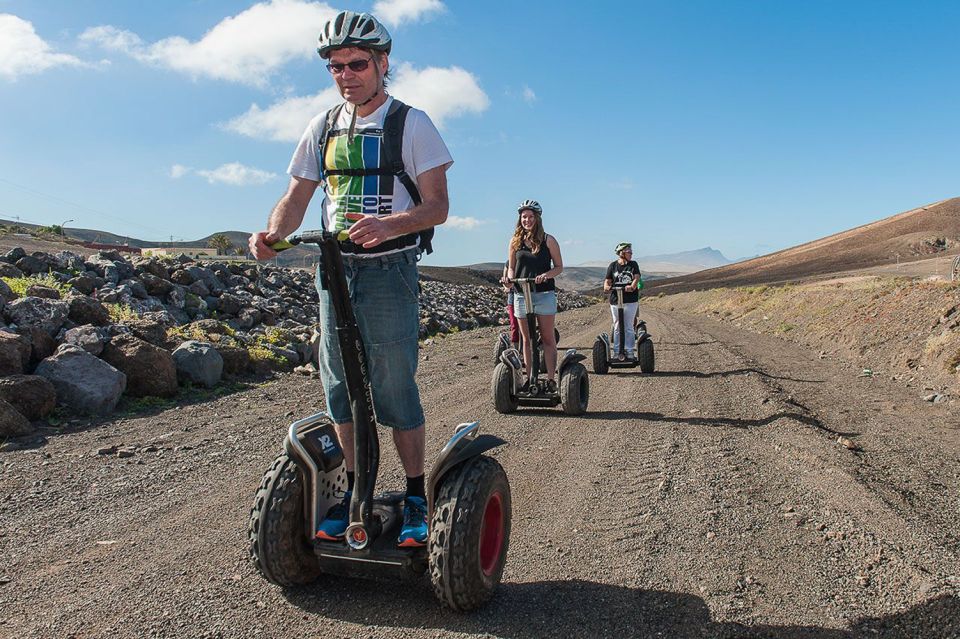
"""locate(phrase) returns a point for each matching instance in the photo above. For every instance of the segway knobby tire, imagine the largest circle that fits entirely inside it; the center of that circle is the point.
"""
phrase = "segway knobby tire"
(470, 533)
(503, 399)
(574, 389)
(278, 544)
(600, 363)
(645, 354)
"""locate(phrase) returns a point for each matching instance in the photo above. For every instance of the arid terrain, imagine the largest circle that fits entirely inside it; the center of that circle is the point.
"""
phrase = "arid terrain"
(895, 241)
(749, 488)
(792, 470)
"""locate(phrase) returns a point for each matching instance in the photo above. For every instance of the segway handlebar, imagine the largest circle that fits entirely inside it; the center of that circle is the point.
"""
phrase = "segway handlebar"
(309, 237)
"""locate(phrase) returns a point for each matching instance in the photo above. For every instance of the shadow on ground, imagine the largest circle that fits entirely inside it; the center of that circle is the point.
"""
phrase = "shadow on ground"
(588, 609)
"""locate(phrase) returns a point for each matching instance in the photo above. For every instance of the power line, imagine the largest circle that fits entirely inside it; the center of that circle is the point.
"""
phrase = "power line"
(60, 200)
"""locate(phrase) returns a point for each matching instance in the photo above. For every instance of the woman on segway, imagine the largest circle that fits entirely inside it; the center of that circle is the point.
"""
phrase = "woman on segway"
(535, 254)
(623, 272)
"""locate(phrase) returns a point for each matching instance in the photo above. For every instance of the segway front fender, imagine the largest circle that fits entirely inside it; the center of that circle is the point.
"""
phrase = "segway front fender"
(466, 443)
(570, 357)
(511, 357)
(313, 446)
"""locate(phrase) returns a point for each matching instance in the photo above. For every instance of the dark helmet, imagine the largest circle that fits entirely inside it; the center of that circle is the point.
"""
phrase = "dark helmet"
(349, 29)
(621, 246)
(533, 205)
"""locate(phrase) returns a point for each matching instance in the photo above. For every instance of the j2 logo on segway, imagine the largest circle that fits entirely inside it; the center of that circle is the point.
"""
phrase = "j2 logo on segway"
(327, 442)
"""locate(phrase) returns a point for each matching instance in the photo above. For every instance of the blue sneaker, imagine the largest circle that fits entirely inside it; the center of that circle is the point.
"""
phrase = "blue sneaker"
(335, 523)
(414, 531)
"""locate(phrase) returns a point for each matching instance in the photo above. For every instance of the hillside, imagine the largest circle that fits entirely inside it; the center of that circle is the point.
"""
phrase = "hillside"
(906, 237)
(675, 264)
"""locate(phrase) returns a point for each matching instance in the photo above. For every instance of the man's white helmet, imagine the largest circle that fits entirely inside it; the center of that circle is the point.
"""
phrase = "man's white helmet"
(349, 29)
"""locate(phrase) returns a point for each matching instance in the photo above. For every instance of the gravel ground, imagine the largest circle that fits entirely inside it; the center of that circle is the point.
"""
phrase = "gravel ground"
(711, 499)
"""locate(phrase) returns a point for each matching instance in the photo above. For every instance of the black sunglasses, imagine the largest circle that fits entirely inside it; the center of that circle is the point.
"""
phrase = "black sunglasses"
(356, 66)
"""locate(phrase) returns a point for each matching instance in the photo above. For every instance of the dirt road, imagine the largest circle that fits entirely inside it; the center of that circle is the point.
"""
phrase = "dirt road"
(708, 500)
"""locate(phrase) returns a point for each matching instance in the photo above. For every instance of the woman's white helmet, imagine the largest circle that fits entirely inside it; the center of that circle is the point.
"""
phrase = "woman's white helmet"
(349, 29)
(533, 205)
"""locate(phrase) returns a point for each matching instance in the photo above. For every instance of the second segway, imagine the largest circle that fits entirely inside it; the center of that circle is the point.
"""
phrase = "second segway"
(511, 391)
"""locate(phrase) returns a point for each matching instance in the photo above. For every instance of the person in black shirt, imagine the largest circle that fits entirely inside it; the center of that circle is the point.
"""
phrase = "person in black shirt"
(533, 253)
(624, 271)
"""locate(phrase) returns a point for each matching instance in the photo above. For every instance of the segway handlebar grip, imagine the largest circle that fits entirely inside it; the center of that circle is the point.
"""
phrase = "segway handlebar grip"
(310, 237)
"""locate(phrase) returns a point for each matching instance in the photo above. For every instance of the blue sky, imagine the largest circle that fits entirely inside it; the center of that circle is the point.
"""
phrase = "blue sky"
(745, 126)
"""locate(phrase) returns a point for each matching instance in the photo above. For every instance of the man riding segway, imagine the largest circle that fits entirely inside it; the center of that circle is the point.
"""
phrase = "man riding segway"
(628, 344)
(382, 166)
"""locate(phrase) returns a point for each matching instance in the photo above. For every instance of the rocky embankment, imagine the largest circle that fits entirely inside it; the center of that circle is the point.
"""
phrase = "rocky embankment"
(904, 329)
(78, 333)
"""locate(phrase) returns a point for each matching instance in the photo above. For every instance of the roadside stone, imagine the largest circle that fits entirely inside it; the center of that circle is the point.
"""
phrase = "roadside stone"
(31, 265)
(90, 338)
(236, 361)
(32, 396)
(84, 384)
(12, 422)
(149, 330)
(9, 270)
(48, 315)
(42, 344)
(848, 443)
(39, 290)
(198, 363)
(83, 283)
(14, 353)
(150, 370)
(13, 255)
(87, 310)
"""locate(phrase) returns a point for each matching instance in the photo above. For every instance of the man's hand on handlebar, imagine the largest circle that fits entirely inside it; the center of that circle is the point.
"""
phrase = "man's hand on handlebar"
(259, 245)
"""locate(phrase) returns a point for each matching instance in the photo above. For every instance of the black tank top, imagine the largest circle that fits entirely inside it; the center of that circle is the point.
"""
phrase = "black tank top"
(530, 264)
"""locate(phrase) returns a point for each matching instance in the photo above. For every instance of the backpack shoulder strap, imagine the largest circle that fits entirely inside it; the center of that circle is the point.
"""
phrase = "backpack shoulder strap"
(328, 124)
(393, 147)
(393, 126)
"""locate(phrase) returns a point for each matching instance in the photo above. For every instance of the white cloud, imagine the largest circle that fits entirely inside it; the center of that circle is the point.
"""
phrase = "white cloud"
(462, 223)
(284, 121)
(528, 95)
(442, 93)
(399, 11)
(246, 48)
(23, 52)
(234, 174)
(237, 174)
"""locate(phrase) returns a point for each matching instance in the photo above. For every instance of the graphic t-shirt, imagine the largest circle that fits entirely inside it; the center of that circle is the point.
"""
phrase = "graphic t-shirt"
(623, 274)
(423, 149)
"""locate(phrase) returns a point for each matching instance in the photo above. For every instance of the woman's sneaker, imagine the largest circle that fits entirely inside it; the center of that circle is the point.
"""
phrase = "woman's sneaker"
(414, 531)
(335, 523)
(550, 386)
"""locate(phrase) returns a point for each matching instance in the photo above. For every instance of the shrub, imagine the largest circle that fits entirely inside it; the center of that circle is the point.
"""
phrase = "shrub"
(19, 285)
(120, 313)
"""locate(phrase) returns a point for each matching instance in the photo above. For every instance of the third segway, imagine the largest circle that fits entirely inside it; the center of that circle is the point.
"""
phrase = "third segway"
(641, 355)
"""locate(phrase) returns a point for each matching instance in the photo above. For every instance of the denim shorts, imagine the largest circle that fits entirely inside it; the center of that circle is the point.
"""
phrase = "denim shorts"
(544, 303)
(384, 293)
